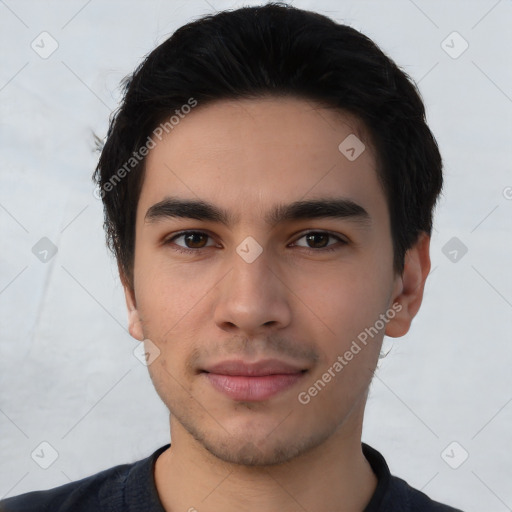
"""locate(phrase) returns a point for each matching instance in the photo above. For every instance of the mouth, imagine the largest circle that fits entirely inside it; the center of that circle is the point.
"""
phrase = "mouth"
(242, 381)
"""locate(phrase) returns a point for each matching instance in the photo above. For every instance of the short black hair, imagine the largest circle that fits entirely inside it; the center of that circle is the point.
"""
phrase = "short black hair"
(273, 50)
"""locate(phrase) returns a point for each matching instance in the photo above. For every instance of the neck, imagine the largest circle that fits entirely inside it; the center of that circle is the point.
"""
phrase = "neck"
(334, 476)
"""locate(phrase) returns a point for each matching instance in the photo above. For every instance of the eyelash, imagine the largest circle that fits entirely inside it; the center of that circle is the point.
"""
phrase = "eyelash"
(309, 250)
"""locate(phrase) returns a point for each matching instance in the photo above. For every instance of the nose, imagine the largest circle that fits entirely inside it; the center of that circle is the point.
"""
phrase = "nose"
(252, 298)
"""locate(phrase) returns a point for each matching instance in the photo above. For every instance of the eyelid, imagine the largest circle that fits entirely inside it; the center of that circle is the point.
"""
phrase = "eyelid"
(185, 232)
(332, 234)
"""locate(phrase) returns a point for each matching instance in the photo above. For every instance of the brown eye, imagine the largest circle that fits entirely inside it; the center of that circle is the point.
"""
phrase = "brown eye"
(317, 240)
(320, 240)
(192, 241)
(195, 240)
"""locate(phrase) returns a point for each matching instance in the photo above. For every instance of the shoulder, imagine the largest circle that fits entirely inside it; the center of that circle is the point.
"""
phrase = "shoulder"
(415, 500)
(394, 494)
(112, 489)
(80, 496)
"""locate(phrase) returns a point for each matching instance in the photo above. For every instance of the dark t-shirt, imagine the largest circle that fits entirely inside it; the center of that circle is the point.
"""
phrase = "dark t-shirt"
(131, 488)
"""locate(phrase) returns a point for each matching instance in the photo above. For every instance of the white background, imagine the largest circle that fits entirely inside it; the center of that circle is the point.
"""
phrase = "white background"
(67, 372)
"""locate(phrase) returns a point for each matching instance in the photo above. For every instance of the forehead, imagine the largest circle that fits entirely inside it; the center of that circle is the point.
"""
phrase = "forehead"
(250, 154)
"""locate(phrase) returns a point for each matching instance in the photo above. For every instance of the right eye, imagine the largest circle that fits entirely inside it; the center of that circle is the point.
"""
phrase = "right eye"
(193, 240)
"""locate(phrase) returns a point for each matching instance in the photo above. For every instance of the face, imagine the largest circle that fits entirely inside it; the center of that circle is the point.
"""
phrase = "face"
(250, 303)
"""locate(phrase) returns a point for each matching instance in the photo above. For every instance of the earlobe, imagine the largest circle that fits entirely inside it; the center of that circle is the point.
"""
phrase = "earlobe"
(134, 321)
(409, 287)
(135, 325)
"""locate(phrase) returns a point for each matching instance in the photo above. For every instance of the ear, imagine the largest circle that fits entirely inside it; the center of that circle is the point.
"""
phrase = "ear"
(134, 321)
(408, 287)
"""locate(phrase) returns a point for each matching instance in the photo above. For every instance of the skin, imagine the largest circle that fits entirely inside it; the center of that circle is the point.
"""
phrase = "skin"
(302, 307)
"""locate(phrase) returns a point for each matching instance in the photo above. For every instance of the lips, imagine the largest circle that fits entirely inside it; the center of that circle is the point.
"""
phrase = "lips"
(260, 368)
(257, 381)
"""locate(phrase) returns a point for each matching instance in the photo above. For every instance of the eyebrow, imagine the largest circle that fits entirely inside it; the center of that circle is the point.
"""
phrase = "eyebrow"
(335, 208)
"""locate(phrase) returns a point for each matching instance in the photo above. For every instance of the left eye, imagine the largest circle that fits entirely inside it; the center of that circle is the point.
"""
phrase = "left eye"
(319, 239)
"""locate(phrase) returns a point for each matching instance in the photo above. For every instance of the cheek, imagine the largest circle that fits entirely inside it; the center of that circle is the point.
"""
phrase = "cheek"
(342, 301)
(167, 295)
(172, 308)
(346, 311)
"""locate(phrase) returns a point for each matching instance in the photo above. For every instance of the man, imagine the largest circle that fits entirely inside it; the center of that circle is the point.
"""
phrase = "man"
(268, 185)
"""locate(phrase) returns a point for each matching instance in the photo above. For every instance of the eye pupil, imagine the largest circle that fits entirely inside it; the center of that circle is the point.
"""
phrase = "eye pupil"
(311, 237)
(191, 240)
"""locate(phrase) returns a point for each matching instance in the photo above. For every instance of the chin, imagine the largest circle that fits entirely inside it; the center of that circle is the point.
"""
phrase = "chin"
(246, 453)
(259, 446)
